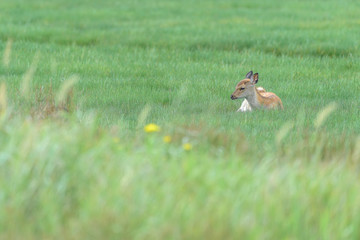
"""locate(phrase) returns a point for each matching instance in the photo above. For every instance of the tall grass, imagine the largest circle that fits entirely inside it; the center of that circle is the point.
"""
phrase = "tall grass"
(80, 80)
(71, 179)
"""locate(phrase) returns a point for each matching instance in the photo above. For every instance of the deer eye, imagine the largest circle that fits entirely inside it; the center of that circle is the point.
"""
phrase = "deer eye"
(242, 88)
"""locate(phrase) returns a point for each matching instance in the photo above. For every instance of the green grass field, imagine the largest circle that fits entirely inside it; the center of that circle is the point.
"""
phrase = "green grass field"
(93, 173)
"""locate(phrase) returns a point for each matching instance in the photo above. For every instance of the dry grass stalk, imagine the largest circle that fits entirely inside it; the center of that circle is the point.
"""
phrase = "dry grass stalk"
(7, 53)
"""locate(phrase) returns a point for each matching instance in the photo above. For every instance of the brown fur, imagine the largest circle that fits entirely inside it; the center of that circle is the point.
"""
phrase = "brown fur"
(269, 100)
(264, 99)
(260, 89)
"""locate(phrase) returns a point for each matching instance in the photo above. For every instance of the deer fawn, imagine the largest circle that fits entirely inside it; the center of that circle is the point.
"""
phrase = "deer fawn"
(255, 97)
(245, 107)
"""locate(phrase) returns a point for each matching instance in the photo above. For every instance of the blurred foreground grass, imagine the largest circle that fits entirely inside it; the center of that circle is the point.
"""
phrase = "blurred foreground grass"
(65, 177)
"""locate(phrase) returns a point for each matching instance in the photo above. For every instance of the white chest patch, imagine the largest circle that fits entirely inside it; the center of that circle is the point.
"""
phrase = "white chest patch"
(245, 107)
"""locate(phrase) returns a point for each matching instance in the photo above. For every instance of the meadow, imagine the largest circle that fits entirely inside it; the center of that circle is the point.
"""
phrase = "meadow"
(81, 79)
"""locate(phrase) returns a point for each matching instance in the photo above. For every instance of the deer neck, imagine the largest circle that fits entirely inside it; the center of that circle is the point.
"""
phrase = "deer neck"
(254, 98)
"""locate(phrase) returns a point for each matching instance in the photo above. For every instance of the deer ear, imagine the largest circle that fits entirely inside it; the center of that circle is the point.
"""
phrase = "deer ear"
(256, 78)
(249, 74)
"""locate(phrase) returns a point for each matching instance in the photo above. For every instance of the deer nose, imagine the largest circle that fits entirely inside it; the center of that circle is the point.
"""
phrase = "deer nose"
(232, 97)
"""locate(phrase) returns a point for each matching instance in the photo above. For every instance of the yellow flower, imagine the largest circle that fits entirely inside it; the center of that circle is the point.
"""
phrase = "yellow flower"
(187, 146)
(167, 139)
(151, 128)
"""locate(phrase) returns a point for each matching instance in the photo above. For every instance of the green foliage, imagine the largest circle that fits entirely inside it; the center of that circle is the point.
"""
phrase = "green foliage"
(71, 181)
(184, 58)
(81, 79)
